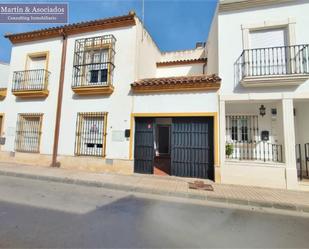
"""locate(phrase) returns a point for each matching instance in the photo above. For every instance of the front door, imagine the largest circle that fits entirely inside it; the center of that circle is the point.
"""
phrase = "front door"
(144, 146)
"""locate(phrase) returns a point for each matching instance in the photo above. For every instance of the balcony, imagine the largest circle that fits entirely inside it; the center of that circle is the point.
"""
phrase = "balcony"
(274, 66)
(30, 83)
(93, 65)
(92, 79)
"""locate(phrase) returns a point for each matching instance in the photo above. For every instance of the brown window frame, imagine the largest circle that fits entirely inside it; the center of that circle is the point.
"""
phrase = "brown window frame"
(18, 142)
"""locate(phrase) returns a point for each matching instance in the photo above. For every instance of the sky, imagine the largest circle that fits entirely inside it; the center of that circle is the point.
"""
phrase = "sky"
(173, 24)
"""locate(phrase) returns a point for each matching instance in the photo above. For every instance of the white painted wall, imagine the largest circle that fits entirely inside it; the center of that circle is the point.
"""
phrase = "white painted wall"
(147, 53)
(13, 105)
(190, 54)
(180, 70)
(212, 46)
(175, 102)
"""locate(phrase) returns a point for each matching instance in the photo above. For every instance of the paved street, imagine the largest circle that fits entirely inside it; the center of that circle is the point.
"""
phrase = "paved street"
(37, 213)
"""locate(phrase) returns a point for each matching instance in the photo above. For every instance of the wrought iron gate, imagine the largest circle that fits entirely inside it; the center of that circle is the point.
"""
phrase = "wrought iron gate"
(192, 147)
(144, 146)
(302, 165)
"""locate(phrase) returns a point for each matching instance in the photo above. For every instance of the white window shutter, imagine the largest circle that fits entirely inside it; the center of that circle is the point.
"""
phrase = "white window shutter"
(268, 38)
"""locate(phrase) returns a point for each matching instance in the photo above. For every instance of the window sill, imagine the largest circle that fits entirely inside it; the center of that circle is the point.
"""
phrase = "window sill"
(274, 80)
(93, 90)
(31, 93)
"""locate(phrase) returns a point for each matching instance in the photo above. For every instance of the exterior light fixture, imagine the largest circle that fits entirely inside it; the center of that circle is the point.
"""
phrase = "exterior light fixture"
(262, 110)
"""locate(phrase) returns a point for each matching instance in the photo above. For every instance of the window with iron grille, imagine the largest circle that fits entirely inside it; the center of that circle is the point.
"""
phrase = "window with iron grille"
(94, 61)
(242, 128)
(28, 132)
(90, 134)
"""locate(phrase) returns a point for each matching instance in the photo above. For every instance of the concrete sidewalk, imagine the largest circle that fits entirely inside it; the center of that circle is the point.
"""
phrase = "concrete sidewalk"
(168, 186)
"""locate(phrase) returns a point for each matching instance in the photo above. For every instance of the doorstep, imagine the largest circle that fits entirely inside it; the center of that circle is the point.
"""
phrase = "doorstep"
(168, 186)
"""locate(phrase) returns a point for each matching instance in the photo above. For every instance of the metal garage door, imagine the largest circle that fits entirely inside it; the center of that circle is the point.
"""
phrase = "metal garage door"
(192, 147)
(144, 146)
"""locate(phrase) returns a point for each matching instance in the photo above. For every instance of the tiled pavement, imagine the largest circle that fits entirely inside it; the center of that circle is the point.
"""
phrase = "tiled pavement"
(168, 186)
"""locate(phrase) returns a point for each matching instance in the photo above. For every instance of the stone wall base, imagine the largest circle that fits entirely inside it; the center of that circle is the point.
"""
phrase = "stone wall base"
(92, 164)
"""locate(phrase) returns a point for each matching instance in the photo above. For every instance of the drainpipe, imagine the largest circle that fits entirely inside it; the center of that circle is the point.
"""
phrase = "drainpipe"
(206, 54)
(59, 100)
(204, 67)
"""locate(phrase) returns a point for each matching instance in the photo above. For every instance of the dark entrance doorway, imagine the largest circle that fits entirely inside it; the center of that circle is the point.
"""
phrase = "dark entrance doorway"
(184, 147)
(162, 162)
(164, 139)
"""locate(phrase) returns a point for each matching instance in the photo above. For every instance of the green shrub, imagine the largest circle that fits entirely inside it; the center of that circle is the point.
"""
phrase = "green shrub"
(229, 149)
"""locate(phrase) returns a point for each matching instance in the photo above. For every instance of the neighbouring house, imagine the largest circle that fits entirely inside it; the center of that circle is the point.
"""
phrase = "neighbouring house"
(101, 96)
(4, 77)
(260, 49)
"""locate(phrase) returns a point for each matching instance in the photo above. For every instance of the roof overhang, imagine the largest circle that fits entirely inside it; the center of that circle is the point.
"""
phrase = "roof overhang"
(76, 28)
(181, 83)
(230, 5)
(182, 62)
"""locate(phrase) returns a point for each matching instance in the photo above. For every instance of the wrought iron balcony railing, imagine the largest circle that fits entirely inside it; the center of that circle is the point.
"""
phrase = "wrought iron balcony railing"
(94, 77)
(30, 80)
(259, 151)
(93, 65)
(273, 61)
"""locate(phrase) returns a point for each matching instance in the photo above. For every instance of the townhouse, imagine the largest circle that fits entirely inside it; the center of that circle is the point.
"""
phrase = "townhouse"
(260, 50)
(101, 96)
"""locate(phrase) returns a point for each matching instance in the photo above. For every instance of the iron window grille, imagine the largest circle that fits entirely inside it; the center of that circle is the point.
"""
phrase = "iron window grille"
(242, 132)
(91, 134)
(94, 61)
(30, 80)
(28, 132)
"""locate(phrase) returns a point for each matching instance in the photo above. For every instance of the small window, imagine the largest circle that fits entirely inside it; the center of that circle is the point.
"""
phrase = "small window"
(90, 134)
(28, 132)
(240, 129)
(98, 76)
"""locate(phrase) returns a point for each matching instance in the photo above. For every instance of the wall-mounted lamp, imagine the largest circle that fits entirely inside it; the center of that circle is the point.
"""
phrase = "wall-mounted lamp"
(262, 110)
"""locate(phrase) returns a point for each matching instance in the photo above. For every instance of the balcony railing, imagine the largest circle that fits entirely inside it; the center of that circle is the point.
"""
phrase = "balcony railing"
(93, 65)
(258, 151)
(93, 78)
(273, 61)
(30, 82)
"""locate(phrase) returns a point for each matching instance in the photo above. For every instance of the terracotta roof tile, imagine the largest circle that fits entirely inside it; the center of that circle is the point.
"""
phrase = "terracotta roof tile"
(195, 82)
(181, 62)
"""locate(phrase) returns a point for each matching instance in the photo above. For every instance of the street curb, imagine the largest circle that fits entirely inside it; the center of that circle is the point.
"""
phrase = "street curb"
(129, 188)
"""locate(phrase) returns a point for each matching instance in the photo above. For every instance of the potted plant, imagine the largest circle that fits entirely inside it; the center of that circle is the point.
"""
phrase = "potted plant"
(229, 149)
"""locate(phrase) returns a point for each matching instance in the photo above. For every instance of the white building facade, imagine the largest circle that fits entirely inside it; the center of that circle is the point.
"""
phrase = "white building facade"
(260, 50)
(101, 96)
